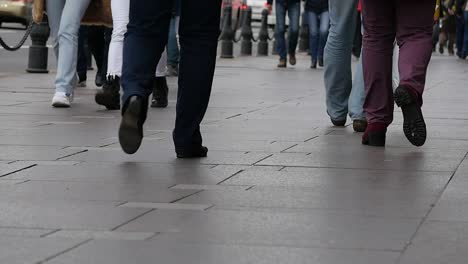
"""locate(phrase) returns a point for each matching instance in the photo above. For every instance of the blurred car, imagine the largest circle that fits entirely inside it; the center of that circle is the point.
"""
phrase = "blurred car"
(237, 5)
(257, 8)
(16, 11)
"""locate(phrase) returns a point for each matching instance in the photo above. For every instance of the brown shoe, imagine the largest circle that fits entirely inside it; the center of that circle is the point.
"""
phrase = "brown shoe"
(292, 59)
(359, 125)
(282, 63)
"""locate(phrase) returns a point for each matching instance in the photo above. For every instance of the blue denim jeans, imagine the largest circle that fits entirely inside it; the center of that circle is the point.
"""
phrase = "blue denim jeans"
(318, 33)
(294, 12)
(64, 21)
(172, 43)
(460, 35)
(343, 96)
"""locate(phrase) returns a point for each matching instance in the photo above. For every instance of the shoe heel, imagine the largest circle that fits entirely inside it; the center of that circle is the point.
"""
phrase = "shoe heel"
(376, 139)
(402, 97)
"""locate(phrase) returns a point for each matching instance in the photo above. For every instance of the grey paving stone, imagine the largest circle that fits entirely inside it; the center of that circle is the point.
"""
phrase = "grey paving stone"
(69, 191)
(313, 229)
(65, 215)
(343, 179)
(372, 202)
(371, 158)
(147, 154)
(210, 187)
(101, 235)
(167, 206)
(32, 250)
(439, 242)
(147, 252)
(130, 173)
(8, 152)
(23, 232)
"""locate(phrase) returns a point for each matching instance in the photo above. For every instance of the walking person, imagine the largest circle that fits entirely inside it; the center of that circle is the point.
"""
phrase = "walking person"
(463, 6)
(459, 10)
(109, 95)
(145, 40)
(319, 22)
(343, 94)
(383, 22)
(293, 9)
(64, 21)
(172, 43)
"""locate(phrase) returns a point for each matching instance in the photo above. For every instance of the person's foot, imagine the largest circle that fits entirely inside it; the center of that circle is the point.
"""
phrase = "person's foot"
(81, 79)
(282, 63)
(414, 126)
(441, 49)
(313, 65)
(160, 93)
(451, 51)
(99, 80)
(375, 135)
(338, 123)
(193, 152)
(320, 62)
(109, 95)
(62, 100)
(359, 125)
(292, 59)
(131, 126)
(172, 70)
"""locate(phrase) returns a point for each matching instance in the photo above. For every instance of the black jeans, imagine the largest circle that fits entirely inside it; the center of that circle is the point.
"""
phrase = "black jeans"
(144, 43)
(96, 39)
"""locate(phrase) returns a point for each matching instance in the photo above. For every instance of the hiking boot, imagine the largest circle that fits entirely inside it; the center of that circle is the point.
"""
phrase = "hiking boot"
(375, 135)
(282, 63)
(109, 95)
(292, 59)
(414, 126)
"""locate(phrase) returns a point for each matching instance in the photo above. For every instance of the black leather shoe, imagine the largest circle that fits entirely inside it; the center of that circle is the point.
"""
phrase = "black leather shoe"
(359, 125)
(99, 80)
(131, 126)
(187, 153)
(339, 123)
(414, 126)
(160, 93)
(109, 95)
(320, 62)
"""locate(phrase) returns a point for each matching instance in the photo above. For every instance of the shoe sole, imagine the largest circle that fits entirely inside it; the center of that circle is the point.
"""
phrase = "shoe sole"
(60, 105)
(130, 136)
(104, 100)
(414, 126)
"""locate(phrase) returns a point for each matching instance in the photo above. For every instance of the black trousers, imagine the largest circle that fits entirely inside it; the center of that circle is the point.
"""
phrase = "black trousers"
(96, 40)
(144, 43)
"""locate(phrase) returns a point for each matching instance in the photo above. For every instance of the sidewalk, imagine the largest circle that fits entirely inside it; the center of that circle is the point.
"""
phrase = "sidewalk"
(280, 185)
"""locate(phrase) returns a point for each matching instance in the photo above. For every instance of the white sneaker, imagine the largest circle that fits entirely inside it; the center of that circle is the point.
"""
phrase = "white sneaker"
(61, 99)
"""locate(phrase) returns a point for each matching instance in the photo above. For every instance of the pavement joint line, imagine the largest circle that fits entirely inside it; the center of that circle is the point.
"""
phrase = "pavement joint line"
(133, 219)
(186, 196)
(230, 177)
(230, 117)
(73, 154)
(153, 236)
(64, 251)
(431, 208)
(269, 156)
(50, 233)
(288, 148)
(312, 138)
(22, 169)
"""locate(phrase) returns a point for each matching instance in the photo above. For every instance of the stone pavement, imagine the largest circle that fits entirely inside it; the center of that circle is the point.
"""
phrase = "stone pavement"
(280, 184)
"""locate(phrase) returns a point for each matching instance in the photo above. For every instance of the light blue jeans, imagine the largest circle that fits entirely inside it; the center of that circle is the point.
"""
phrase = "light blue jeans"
(64, 21)
(343, 95)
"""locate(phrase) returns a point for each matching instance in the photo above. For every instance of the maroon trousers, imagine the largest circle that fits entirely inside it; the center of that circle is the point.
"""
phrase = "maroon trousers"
(410, 22)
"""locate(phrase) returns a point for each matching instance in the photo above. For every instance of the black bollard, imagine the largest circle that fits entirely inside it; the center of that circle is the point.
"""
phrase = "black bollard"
(304, 34)
(227, 34)
(38, 51)
(263, 35)
(246, 33)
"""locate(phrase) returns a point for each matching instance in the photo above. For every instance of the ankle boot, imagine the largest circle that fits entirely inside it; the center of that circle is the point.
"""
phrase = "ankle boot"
(160, 93)
(109, 95)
